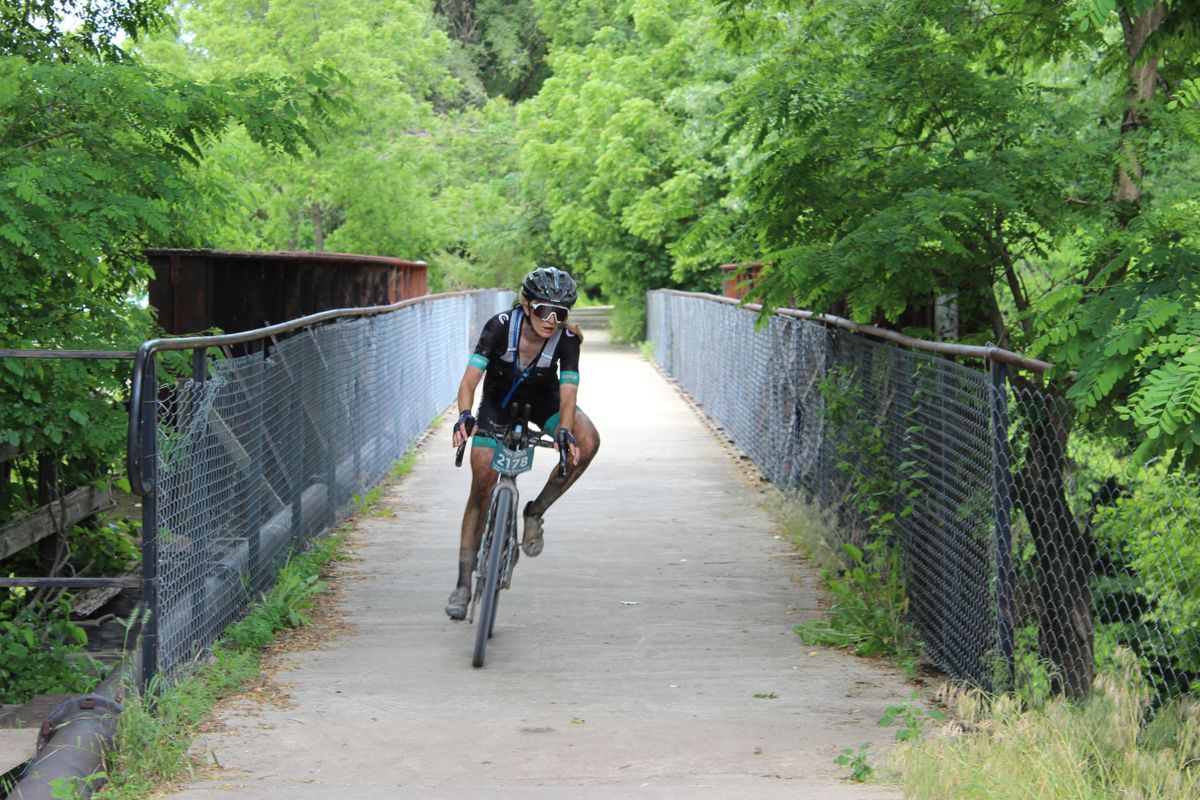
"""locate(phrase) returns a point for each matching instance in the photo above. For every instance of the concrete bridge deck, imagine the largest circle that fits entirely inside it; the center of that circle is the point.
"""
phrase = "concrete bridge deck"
(626, 660)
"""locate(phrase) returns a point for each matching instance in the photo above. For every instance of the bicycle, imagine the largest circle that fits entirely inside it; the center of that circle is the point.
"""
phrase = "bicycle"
(494, 565)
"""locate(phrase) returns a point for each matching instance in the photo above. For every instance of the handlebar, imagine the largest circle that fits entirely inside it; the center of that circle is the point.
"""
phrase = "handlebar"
(516, 435)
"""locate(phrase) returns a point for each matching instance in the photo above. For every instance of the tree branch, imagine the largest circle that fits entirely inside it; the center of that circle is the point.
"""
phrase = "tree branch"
(998, 327)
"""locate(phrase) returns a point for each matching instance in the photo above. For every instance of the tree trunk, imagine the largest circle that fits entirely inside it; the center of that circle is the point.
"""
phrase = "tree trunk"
(460, 17)
(318, 223)
(1142, 79)
(1064, 552)
(5, 491)
(294, 217)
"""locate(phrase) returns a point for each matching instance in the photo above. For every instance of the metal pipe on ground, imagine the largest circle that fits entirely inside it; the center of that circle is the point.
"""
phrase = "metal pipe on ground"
(74, 739)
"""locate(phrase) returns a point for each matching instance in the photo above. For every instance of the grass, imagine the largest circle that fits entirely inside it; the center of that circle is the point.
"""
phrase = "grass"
(1031, 746)
(868, 612)
(1108, 746)
(810, 528)
(406, 464)
(156, 730)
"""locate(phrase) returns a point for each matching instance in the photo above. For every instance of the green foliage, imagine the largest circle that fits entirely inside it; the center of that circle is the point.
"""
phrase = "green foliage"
(1187, 96)
(41, 652)
(98, 159)
(1029, 678)
(364, 502)
(73, 30)
(492, 237)
(286, 605)
(369, 188)
(869, 611)
(899, 155)
(912, 719)
(503, 42)
(860, 768)
(1134, 344)
(1110, 745)
(907, 150)
(409, 460)
(1149, 530)
(156, 730)
(619, 149)
(105, 549)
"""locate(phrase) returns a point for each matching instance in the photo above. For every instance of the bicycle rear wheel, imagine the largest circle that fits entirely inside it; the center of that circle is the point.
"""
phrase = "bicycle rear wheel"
(502, 512)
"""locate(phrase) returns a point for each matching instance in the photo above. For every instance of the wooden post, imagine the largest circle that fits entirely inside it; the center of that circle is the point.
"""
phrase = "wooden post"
(47, 481)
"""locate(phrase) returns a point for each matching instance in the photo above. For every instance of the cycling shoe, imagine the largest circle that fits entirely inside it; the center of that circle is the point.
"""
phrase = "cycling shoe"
(456, 606)
(532, 541)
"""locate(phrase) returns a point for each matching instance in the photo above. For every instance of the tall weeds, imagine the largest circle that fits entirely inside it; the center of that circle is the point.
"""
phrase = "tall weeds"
(1112, 745)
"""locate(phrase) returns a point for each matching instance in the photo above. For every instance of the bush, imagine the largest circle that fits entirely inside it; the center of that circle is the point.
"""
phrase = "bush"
(1150, 533)
(41, 652)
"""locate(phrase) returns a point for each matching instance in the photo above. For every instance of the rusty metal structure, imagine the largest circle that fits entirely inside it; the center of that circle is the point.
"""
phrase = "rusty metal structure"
(234, 291)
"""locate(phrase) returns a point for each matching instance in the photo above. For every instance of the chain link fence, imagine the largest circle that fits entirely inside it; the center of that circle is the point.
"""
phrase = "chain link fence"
(259, 452)
(1031, 555)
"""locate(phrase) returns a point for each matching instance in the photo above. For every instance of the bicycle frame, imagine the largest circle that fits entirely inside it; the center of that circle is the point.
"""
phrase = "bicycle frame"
(495, 560)
(510, 464)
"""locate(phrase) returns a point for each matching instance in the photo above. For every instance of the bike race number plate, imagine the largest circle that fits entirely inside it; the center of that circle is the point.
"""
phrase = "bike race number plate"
(512, 462)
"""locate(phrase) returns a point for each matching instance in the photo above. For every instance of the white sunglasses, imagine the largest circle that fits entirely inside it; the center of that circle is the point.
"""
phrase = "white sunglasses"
(550, 313)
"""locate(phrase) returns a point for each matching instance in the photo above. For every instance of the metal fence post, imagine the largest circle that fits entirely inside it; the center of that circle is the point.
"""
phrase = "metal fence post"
(1001, 484)
(148, 433)
(356, 435)
(200, 536)
(258, 498)
(304, 474)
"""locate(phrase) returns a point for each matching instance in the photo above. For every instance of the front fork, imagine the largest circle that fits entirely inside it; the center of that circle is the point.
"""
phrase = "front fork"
(508, 557)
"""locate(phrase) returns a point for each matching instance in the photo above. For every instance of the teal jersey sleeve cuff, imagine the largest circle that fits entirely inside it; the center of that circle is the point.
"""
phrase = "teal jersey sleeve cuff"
(478, 361)
(569, 377)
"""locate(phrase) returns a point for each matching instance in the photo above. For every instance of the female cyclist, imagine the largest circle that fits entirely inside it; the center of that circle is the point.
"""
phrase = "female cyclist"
(526, 355)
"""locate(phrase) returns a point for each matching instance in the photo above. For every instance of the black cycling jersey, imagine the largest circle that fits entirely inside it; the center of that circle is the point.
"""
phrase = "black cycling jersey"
(506, 381)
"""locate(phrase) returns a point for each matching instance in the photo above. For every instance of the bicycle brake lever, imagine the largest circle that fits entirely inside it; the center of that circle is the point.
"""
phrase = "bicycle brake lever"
(468, 429)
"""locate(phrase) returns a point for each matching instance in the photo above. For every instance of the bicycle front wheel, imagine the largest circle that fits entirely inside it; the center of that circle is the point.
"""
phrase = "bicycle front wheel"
(502, 513)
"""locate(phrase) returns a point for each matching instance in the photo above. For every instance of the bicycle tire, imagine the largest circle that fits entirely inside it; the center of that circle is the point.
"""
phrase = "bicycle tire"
(491, 583)
(504, 573)
(506, 544)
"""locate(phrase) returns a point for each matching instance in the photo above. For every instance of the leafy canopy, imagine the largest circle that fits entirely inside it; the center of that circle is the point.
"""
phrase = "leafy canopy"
(98, 160)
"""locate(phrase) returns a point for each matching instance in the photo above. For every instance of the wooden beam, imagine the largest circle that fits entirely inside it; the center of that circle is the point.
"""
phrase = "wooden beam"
(121, 355)
(241, 459)
(123, 582)
(77, 506)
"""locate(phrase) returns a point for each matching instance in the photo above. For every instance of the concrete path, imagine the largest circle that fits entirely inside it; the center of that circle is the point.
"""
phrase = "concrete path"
(626, 659)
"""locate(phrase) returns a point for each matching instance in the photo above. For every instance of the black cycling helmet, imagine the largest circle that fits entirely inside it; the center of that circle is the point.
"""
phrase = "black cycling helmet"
(550, 285)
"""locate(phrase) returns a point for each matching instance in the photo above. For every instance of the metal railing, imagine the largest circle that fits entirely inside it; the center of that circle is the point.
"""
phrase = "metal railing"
(241, 460)
(1029, 548)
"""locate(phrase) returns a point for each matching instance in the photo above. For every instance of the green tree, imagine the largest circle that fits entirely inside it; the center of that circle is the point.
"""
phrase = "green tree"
(1011, 155)
(492, 236)
(370, 187)
(67, 31)
(503, 42)
(1132, 335)
(98, 160)
(619, 149)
